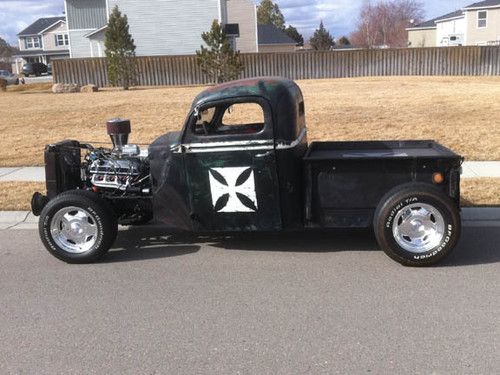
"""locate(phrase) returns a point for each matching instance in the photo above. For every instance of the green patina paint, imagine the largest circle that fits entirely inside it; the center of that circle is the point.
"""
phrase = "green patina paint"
(269, 88)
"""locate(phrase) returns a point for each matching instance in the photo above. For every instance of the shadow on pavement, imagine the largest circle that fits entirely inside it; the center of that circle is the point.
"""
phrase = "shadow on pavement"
(142, 243)
(478, 245)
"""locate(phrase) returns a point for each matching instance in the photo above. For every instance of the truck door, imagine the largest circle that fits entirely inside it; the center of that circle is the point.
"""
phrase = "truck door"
(230, 162)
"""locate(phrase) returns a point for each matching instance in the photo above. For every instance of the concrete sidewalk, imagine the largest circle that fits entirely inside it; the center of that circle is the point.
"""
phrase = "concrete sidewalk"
(471, 169)
(471, 217)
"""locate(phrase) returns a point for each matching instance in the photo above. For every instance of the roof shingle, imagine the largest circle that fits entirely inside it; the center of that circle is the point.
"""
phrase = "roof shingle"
(270, 34)
(485, 3)
(432, 23)
(40, 24)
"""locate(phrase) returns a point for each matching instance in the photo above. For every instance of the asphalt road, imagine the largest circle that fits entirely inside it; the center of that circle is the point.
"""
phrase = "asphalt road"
(289, 304)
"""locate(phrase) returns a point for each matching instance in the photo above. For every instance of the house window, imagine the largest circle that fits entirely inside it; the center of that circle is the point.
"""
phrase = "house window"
(481, 18)
(32, 42)
(62, 39)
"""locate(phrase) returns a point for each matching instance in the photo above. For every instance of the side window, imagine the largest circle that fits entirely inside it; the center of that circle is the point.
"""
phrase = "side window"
(481, 18)
(235, 119)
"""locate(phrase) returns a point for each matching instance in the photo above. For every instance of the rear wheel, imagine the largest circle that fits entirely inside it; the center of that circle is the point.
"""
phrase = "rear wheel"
(78, 227)
(417, 225)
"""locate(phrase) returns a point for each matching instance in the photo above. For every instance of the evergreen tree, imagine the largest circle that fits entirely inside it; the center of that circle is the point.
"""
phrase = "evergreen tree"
(293, 33)
(219, 61)
(120, 51)
(321, 39)
(269, 13)
(6, 50)
(344, 41)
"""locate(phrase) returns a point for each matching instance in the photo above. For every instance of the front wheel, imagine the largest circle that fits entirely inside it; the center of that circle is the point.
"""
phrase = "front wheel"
(78, 227)
(417, 225)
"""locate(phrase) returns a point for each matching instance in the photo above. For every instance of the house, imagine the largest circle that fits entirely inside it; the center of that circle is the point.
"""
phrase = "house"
(162, 27)
(482, 21)
(44, 40)
(272, 39)
(476, 24)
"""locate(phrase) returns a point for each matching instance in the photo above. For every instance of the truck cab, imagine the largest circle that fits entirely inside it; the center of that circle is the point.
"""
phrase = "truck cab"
(237, 163)
(242, 163)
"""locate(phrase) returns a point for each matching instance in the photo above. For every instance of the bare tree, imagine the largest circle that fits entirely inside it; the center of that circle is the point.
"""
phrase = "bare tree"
(384, 23)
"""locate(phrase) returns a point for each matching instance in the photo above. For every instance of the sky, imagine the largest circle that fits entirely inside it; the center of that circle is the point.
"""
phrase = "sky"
(339, 16)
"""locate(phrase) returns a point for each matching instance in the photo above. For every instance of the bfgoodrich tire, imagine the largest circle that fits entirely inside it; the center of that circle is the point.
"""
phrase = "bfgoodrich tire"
(417, 225)
(78, 227)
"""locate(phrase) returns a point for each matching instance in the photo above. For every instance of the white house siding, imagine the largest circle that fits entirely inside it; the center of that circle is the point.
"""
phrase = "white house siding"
(168, 27)
(422, 37)
(447, 28)
(97, 48)
(49, 37)
(488, 34)
(243, 13)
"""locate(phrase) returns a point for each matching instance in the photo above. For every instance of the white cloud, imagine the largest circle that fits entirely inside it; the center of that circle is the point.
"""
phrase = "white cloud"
(339, 16)
(17, 15)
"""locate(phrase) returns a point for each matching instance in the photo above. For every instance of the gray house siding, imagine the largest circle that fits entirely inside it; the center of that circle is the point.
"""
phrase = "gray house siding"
(86, 14)
(80, 45)
(182, 23)
(83, 17)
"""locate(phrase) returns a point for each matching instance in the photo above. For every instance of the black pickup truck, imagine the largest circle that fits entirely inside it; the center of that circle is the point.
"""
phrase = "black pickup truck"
(242, 163)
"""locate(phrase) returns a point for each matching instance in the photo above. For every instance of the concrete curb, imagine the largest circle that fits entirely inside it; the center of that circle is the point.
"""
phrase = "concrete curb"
(471, 217)
(471, 169)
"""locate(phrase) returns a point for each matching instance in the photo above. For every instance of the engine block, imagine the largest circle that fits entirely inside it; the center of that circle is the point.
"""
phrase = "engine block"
(114, 173)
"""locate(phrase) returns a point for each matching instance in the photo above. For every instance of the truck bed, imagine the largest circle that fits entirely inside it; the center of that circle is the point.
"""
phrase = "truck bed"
(377, 150)
(345, 181)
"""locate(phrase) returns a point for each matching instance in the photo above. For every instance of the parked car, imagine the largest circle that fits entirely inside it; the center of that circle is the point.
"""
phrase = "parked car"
(36, 69)
(253, 173)
(11, 79)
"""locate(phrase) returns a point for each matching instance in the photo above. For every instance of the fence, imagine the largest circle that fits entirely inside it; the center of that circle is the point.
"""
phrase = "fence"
(182, 70)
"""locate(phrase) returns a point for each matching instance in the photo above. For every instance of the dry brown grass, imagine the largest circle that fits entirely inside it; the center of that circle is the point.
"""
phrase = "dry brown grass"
(480, 191)
(475, 192)
(42, 87)
(460, 112)
(16, 196)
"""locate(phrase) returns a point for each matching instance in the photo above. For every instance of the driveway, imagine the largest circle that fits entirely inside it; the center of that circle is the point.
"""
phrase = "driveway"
(267, 304)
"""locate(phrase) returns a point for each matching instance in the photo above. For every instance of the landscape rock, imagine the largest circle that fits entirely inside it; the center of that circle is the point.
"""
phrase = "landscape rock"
(64, 88)
(89, 88)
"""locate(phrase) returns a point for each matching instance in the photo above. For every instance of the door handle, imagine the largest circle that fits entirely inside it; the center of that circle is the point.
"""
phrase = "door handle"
(263, 155)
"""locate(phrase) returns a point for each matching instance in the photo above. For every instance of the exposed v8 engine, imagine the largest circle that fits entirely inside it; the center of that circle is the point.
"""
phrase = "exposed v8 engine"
(123, 170)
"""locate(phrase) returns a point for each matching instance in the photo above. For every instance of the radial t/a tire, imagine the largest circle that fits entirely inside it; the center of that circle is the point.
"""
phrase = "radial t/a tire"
(77, 226)
(417, 225)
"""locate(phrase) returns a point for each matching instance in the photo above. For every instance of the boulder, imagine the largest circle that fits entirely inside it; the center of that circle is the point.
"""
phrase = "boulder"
(89, 88)
(63, 88)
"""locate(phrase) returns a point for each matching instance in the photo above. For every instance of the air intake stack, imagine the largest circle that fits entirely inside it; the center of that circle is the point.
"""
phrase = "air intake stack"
(118, 130)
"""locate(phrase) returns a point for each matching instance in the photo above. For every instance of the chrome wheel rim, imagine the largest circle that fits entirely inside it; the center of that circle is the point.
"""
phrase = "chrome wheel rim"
(418, 227)
(74, 229)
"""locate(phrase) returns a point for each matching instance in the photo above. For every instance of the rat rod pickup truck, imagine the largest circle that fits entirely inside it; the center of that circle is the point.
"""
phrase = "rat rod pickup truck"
(242, 163)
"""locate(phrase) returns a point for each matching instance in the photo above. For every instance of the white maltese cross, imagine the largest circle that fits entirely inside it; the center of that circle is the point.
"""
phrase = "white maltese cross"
(233, 189)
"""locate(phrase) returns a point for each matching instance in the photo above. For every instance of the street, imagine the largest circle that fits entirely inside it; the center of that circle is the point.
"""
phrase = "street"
(259, 304)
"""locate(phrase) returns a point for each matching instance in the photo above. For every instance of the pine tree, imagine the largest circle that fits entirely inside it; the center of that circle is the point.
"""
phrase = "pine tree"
(269, 13)
(219, 61)
(344, 41)
(293, 33)
(120, 51)
(322, 40)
